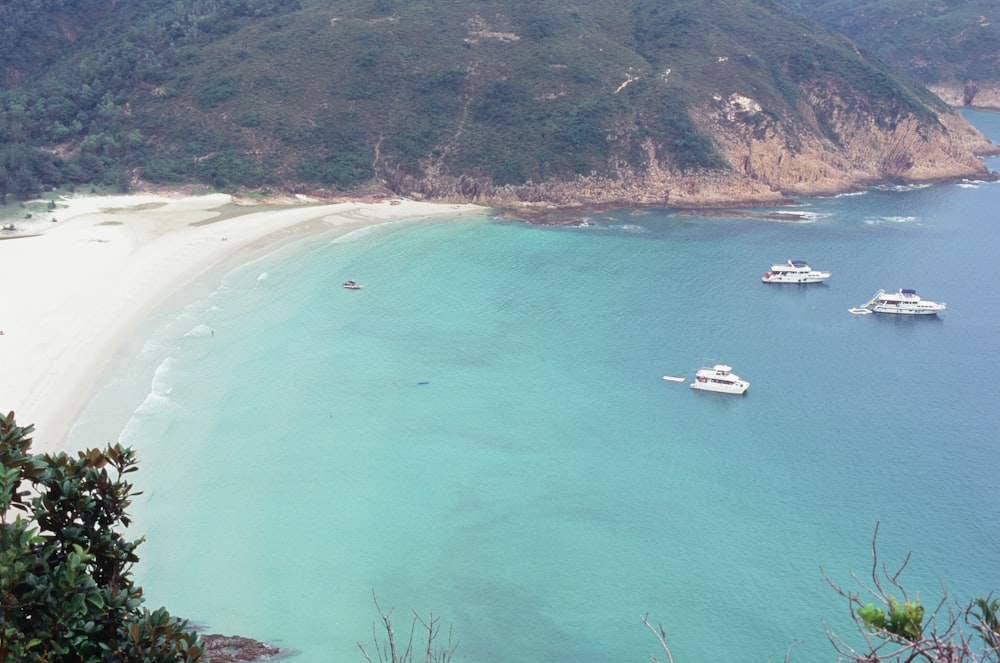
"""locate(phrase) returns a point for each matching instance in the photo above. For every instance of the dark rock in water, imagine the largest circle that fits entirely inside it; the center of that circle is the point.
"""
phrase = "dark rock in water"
(237, 649)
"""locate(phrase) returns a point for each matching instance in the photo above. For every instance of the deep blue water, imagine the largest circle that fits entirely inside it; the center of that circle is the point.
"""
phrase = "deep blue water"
(545, 487)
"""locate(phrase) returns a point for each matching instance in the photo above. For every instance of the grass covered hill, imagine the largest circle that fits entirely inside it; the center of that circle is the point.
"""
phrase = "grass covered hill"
(547, 100)
(941, 43)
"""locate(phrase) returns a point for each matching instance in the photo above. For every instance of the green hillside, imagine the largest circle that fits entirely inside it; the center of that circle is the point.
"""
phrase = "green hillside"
(447, 97)
(935, 42)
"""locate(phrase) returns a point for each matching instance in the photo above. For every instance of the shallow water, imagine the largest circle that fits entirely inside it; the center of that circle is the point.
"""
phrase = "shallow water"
(482, 432)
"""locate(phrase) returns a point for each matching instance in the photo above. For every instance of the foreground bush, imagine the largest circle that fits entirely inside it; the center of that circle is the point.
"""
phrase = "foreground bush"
(66, 588)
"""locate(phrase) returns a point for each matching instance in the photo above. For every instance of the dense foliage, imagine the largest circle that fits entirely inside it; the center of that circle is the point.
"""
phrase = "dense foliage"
(66, 589)
(336, 94)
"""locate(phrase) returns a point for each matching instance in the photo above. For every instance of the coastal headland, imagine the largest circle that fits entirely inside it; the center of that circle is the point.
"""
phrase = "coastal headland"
(78, 285)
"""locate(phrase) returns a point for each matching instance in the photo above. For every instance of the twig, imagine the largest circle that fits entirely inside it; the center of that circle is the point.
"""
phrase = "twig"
(661, 635)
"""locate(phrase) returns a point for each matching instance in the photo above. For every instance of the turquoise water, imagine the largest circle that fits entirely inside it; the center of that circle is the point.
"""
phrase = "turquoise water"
(546, 488)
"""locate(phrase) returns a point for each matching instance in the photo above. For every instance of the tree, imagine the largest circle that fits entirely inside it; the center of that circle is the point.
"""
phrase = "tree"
(25, 184)
(66, 589)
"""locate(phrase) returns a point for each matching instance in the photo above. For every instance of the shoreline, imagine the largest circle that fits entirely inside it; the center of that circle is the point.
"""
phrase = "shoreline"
(77, 292)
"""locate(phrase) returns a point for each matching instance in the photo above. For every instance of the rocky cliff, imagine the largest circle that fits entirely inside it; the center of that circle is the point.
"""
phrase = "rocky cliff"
(970, 95)
(854, 151)
(768, 161)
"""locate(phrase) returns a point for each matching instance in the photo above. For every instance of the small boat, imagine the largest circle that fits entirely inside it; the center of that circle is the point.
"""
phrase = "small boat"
(903, 302)
(672, 378)
(719, 378)
(352, 285)
(794, 271)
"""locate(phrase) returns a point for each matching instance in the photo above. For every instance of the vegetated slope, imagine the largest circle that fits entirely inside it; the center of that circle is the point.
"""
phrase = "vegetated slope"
(498, 101)
(32, 32)
(952, 46)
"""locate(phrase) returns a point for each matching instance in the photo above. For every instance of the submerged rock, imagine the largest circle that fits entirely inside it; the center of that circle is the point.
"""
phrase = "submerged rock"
(237, 649)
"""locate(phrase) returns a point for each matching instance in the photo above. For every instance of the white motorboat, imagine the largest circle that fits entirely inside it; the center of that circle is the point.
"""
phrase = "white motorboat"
(903, 302)
(794, 271)
(719, 378)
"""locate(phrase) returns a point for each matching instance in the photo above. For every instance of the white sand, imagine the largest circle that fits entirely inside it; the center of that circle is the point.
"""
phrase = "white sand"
(75, 293)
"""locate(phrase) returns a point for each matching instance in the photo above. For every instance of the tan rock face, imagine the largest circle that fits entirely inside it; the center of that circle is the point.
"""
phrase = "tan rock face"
(852, 150)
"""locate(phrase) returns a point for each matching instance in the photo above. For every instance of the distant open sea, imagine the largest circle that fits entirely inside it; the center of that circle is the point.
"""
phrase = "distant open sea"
(483, 432)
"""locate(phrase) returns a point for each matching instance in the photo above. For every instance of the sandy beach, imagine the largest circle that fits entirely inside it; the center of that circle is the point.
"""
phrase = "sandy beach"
(74, 291)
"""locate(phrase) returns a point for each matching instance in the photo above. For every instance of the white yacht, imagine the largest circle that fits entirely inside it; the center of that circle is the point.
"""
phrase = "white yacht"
(904, 302)
(719, 378)
(794, 271)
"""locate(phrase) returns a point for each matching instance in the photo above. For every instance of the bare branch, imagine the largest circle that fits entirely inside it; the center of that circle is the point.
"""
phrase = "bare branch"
(389, 651)
(788, 652)
(661, 636)
(430, 636)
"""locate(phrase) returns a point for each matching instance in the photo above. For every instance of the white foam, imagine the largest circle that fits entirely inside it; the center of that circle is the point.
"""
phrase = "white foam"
(799, 216)
(359, 233)
(891, 219)
(161, 386)
(199, 330)
(139, 424)
(901, 187)
(157, 402)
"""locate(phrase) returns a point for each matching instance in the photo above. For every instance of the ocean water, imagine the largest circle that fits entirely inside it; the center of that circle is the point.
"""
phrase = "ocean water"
(482, 433)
